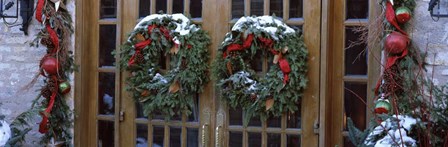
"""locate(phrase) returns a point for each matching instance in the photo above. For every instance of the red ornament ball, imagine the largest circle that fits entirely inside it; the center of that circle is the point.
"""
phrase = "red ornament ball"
(382, 107)
(396, 43)
(64, 87)
(403, 14)
(50, 65)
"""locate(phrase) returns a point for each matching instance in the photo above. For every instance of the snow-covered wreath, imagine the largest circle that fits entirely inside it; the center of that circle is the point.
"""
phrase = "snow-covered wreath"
(281, 88)
(185, 44)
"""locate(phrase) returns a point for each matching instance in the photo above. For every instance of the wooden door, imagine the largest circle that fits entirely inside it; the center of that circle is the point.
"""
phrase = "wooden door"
(106, 115)
(353, 68)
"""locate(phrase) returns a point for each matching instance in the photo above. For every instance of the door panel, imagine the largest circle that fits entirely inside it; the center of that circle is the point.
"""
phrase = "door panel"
(112, 118)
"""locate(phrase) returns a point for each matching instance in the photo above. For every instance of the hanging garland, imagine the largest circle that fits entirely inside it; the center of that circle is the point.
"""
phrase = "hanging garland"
(281, 88)
(56, 67)
(402, 114)
(185, 44)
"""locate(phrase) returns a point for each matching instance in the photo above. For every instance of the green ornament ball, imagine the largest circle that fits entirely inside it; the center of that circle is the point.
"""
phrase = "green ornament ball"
(64, 87)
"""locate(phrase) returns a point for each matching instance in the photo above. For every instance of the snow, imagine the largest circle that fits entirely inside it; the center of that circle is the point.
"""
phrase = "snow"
(5, 132)
(394, 134)
(160, 78)
(263, 23)
(183, 28)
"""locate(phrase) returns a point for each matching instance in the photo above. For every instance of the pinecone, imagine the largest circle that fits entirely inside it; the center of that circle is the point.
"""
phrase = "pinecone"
(183, 64)
(139, 58)
(45, 92)
(47, 42)
(391, 80)
(253, 97)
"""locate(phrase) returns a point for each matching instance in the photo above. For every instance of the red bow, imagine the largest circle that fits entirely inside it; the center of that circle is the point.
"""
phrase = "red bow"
(43, 126)
(286, 69)
(138, 47)
(237, 47)
(390, 16)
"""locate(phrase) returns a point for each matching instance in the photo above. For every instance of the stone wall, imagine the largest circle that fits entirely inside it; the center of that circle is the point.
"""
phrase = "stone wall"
(431, 36)
(18, 65)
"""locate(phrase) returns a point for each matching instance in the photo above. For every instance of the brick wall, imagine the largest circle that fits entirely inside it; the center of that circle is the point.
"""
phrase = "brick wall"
(18, 64)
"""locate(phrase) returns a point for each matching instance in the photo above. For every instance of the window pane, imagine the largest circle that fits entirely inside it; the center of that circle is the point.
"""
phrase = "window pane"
(276, 8)
(237, 8)
(106, 93)
(178, 6)
(254, 140)
(236, 116)
(192, 137)
(236, 139)
(142, 135)
(354, 95)
(275, 122)
(255, 121)
(194, 116)
(355, 55)
(105, 134)
(175, 136)
(144, 8)
(357, 9)
(256, 7)
(161, 6)
(107, 45)
(293, 141)
(158, 134)
(295, 8)
(274, 140)
(196, 8)
(295, 119)
(257, 62)
(108, 9)
(139, 108)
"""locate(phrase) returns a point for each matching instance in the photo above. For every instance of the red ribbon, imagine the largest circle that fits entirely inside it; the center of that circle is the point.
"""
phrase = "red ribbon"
(44, 123)
(54, 38)
(390, 16)
(266, 41)
(138, 47)
(237, 47)
(286, 69)
(40, 6)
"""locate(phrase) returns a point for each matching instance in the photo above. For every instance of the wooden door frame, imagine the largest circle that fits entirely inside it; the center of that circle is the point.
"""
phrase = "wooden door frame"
(331, 108)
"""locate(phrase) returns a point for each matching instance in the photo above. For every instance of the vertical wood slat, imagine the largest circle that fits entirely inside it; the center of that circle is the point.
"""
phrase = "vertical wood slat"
(186, 6)
(80, 43)
(166, 138)
(264, 135)
(150, 134)
(127, 128)
(283, 134)
(246, 8)
(266, 5)
(117, 75)
(337, 72)
(325, 87)
(311, 94)
(169, 5)
(286, 8)
(184, 131)
(153, 7)
(245, 138)
(94, 57)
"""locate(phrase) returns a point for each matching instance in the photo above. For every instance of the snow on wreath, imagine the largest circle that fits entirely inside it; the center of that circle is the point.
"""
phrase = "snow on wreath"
(166, 88)
(281, 88)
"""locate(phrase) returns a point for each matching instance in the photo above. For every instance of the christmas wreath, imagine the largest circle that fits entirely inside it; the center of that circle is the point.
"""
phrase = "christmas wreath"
(173, 37)
(281, 88)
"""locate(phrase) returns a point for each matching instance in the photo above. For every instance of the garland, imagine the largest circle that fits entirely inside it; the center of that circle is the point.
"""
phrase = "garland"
(56, 67)
(281, 89)
(185, 44)
(406, 114)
